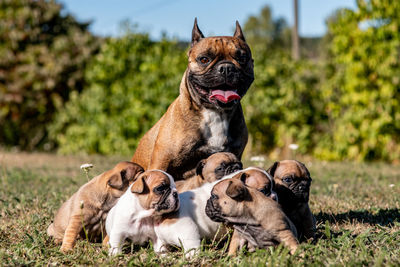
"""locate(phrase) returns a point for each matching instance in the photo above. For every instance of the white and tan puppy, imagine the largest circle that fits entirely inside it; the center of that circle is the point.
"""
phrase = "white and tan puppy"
(210, 170)
(151, 195)
(88, 207)
(190, 224)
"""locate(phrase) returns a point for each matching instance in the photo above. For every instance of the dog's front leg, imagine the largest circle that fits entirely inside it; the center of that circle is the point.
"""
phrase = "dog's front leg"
(75, 225)
(115, 241)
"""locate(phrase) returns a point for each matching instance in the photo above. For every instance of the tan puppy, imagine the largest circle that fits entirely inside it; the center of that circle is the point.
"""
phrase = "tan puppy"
(87, 209)
(258, 218)
(259, 179)
(210, 170)
(293, 181)
(207, 116)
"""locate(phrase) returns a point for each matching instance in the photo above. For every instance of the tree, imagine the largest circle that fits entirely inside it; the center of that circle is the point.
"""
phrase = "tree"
(131, 82)
(43, 54)
(362, 86)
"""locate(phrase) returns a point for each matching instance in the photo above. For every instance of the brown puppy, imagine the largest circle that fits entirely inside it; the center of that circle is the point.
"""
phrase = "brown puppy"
(293, 181)
(258, 218)
(87, 209)
(210, 170)
(207, 116)
(259, 179)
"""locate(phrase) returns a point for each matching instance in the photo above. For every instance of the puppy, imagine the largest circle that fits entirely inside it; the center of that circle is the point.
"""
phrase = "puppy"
(190, 224)
(141, 207)
(293, 183)
(259, 179)
(210, 170)
(258, 218)
(87, 209)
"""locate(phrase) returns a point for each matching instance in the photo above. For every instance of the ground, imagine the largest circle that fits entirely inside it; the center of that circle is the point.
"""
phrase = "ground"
(357, 206)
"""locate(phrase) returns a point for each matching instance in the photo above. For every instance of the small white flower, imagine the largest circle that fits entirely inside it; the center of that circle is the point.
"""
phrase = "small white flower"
(391, 185)
(293, 146)
(86, 166)
(257, 158)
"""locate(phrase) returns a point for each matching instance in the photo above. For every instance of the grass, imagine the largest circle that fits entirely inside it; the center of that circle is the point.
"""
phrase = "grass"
(357, 207)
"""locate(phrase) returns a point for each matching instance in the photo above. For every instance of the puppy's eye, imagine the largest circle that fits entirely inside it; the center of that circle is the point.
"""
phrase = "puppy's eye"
(220, 168)
(204, 60)
(287, 180)
(214, 196)
(160, 189)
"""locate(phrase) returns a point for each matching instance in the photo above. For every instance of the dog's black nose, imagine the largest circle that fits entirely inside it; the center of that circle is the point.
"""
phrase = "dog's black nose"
(226, 68)
(175, 194)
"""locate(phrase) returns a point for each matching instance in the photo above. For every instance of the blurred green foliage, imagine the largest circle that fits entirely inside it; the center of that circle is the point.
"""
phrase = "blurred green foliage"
(340, 101)
(130, 84)
(42, 57)
(362, 87)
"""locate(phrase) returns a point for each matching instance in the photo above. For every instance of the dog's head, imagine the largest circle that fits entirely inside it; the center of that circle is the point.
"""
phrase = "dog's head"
(118, 179)
(258, 179)
(292, 180)
(228, 202)
(156, 190)
(220, 69)
(217, 166)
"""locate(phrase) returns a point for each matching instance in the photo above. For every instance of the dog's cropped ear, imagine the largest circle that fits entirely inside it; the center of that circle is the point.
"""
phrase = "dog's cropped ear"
(238, 32)
(199, 168)
(117, 181)
(139, 186)
(273, 168)
(237, 191)
(197, 35)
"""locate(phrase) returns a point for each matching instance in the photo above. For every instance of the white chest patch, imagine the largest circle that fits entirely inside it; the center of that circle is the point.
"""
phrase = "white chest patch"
(215, 129)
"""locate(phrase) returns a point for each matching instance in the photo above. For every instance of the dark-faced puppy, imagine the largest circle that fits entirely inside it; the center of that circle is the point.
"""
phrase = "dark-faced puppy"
(258, 218)
(210, 170)
(88, 208)
(207, 116)
(292, 184)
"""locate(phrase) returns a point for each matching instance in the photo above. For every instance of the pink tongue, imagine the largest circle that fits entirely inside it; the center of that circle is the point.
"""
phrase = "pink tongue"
(224, 96)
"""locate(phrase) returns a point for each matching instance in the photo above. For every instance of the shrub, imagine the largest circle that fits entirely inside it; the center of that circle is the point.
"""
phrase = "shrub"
(131, 82)
(43, 54)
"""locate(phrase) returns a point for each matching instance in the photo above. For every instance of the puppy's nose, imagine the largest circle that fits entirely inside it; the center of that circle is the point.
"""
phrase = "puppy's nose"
(274, 196)
(175, 194)
(225, 68)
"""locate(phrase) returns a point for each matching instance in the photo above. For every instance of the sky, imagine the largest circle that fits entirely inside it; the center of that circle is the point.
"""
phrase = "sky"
(215, 17)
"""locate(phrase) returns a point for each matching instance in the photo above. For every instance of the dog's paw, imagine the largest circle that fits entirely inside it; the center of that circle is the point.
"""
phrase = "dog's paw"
(114, 251)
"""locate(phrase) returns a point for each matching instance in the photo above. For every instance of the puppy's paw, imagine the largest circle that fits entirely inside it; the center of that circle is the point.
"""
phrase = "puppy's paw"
(114, 251)
(65, 249)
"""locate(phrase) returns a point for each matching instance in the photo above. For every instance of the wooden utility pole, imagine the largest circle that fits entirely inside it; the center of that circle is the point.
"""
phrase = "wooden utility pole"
(295, 32)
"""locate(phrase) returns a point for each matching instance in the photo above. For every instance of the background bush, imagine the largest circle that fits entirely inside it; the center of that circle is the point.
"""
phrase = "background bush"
(42, 57)
(340, 101)
(130, 84)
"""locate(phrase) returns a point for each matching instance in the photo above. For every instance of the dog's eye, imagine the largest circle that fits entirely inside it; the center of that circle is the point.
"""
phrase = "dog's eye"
(220, 168)
(287, 180)
(161, 188)
(214, 196)
(241, 56)
(204, 60)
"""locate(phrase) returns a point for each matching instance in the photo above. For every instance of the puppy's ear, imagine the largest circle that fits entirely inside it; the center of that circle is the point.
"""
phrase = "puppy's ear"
(199, 168)
(117, 181)
(237, 191)
(139, 185)
(132, 171)
(197, 35)
(243, 177)
(273, 168)
(238, 32)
